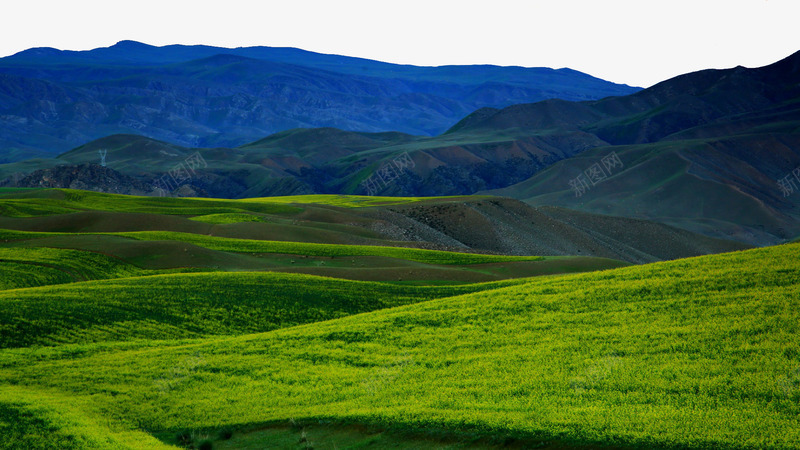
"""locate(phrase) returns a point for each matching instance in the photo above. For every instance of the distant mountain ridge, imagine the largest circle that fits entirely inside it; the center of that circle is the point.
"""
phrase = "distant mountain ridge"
(202, 96)
(702, 152)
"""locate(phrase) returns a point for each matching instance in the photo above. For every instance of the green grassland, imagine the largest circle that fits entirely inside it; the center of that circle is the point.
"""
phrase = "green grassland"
(182, 337)
(694, 353)
(690, 353)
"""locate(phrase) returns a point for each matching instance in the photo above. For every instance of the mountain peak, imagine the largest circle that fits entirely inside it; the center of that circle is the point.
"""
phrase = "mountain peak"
(38, 51)
(128, 44)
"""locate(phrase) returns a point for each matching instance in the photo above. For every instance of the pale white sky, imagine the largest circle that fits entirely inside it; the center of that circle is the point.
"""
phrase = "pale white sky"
(634, 42)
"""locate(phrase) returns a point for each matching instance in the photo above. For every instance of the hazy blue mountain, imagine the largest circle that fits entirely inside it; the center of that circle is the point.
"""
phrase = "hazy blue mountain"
(53, 100)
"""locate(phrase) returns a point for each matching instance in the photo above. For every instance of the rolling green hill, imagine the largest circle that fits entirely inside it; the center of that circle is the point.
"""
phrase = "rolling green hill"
(464, 224)
(693, 353)
(183, 306)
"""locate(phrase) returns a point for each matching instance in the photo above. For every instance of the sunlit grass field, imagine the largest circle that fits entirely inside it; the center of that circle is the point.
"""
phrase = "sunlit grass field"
(164, 338)
(695, 353)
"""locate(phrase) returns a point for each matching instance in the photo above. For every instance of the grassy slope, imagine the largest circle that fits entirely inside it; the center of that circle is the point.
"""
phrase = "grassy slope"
(177, 306)
(173, 256)
(697, 352)
(195, 250)
(313, 249)
(61, 201)
(228, 218)
(29, 267)
(293, 248)
(37, 202)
